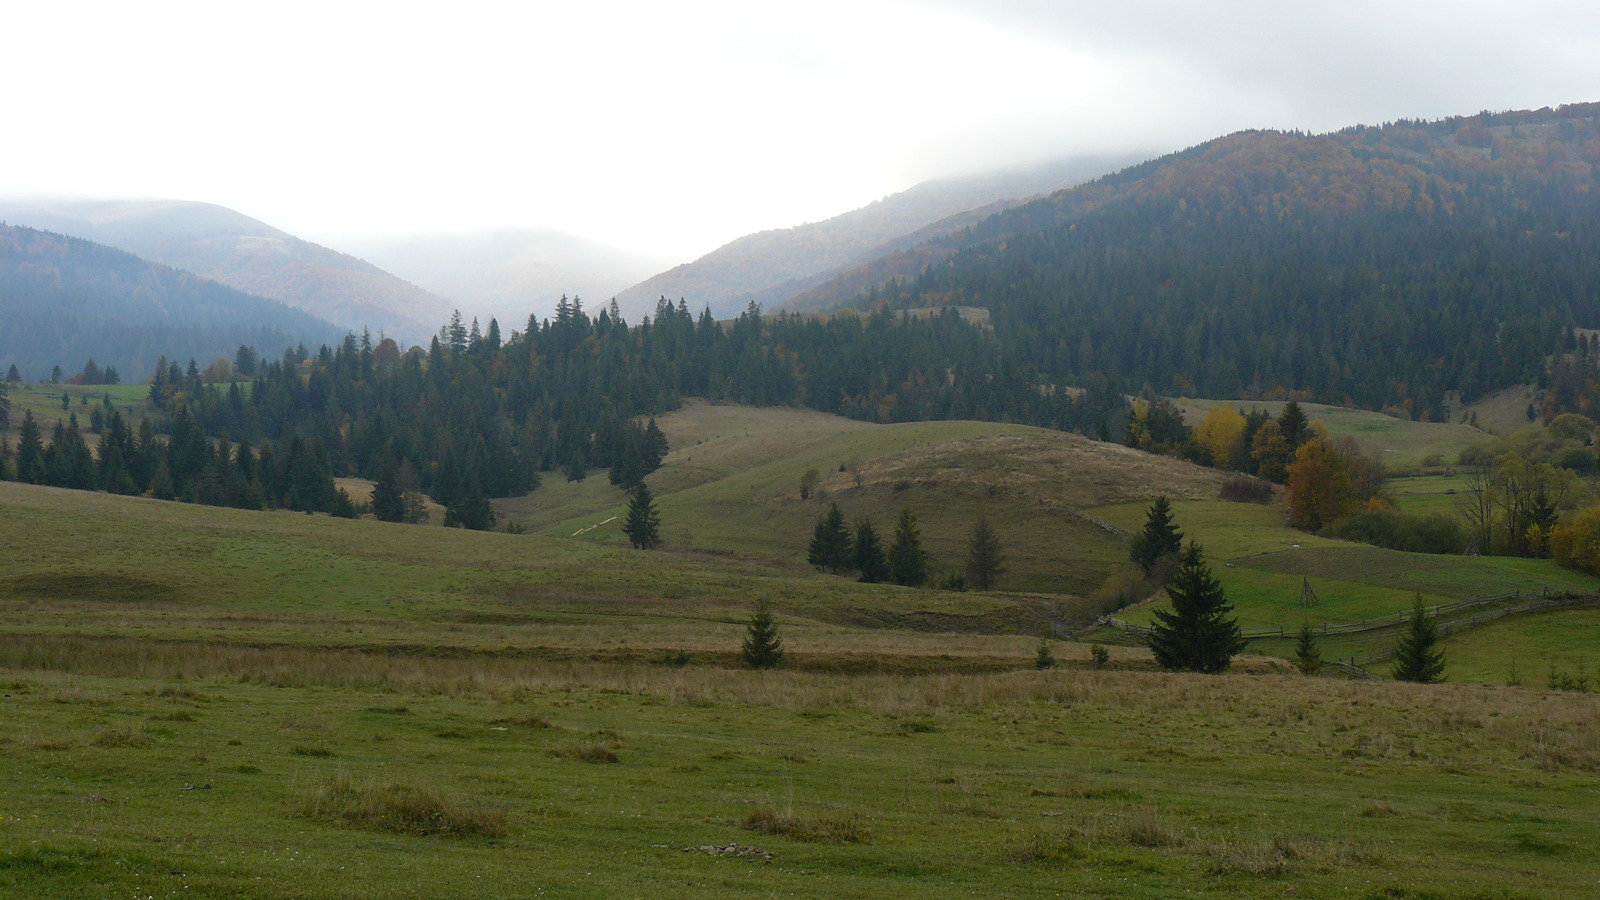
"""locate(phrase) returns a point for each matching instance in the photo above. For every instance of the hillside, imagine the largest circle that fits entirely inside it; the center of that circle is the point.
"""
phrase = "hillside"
(732, 484)
(1376, 266)
(65, 301)
(243, 253)
(508, 273)
(771, 266)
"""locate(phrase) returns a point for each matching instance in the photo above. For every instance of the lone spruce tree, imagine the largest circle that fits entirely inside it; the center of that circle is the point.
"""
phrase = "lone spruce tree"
(830, 542)
(908, 564)
(763, 648)
(985, 564)
(1307, 655)
(1417, 656)
(643, 525)
(1158, 538)
(1199, 633)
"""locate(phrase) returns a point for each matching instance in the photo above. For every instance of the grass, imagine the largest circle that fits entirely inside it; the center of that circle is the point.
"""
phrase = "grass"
(221, 703)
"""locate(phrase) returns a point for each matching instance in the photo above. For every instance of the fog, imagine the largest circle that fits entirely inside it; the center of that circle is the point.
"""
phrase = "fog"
(672, 128)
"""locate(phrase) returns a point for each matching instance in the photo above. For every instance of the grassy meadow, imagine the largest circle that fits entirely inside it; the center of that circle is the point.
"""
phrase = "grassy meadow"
(210, 702)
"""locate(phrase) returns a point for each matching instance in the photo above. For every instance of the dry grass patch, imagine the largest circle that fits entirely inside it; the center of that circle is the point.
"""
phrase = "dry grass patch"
(822, 829)
(128, 736)
(403, 808)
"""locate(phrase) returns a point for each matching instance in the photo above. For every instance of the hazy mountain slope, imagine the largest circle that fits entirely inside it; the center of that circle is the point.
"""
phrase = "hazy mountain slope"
(64, 301)
(243, 253)
(770, 266)
(508, 273)
(1374, 267)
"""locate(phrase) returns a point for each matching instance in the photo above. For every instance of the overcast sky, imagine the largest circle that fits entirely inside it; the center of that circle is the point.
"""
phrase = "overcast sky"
(675, 127)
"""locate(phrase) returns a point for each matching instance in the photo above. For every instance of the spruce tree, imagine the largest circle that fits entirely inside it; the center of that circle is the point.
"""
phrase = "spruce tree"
(1417, 656)
(388, 501)
(643, 525)
(1158, 538)
(1199, 633)
(908, 564)
(5, 408)
(985, 563)
(868, 553)
(1307, 655)
(830, 542)
(762, 648)
(1294, 425)
(30, 451)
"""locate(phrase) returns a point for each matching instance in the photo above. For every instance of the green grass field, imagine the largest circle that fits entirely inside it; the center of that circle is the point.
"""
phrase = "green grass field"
(230, 704)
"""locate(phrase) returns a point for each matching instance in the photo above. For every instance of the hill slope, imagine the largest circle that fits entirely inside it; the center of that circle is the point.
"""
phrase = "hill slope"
(1374, 267)
(251, 256)
(65, 301)
(770, 266)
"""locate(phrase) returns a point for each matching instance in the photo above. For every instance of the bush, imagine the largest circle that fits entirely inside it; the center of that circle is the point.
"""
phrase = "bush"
(811, 829)
(1398, 531)
(1240, 488)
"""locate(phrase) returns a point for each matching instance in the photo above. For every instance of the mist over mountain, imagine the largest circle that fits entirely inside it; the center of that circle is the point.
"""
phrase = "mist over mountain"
(508, 273)
(770, 266)
(251, 256)
(64, 301)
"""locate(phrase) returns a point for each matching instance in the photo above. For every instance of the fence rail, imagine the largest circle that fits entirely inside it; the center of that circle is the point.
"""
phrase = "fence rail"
(1540, 599)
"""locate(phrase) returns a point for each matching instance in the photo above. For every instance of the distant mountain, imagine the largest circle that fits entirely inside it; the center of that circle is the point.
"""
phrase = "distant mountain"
(508, 273)
(1383, 267)
(243, 253)
(771, 266)
(64, 301)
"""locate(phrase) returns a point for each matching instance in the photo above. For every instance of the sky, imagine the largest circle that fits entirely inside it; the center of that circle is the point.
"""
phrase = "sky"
(671, 128)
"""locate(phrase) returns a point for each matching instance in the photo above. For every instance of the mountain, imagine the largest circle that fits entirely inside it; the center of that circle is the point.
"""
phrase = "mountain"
(1382, 267)
(508, 273)
(65, 301)
(771, 266)
(225, 246)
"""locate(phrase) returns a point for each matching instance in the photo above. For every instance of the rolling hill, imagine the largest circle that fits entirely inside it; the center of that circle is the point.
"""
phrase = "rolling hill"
(233, 249)
(65, 301)
(771, 266)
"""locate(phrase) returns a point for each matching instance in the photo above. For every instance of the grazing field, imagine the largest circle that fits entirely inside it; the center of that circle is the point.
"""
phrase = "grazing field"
(220, 703)
(732, 485)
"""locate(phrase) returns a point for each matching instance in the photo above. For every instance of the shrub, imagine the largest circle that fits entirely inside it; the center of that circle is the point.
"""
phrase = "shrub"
(1240, 488)
(1399, 531)
(1099, 657)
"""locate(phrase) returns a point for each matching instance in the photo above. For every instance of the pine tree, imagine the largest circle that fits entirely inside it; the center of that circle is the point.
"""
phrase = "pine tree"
(1158, 538)
(908, 564)
(1294, 425)
(30, 451)
(12, 375)
(830, 542)
(1417, 656)
(763, 647)
(985, 564)
(1307, 655)
(388, 500)
(643, 525)
(868, 553)
(5, 408)
(1198, 634)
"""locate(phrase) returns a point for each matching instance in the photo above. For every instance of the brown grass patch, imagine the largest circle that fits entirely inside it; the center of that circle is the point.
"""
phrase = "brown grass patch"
(403, 808)
(828, 829)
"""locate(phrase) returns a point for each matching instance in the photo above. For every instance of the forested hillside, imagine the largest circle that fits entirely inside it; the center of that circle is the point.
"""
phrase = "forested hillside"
(770, 266)
(247, 255)
(1381, 267)
(64, 301)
